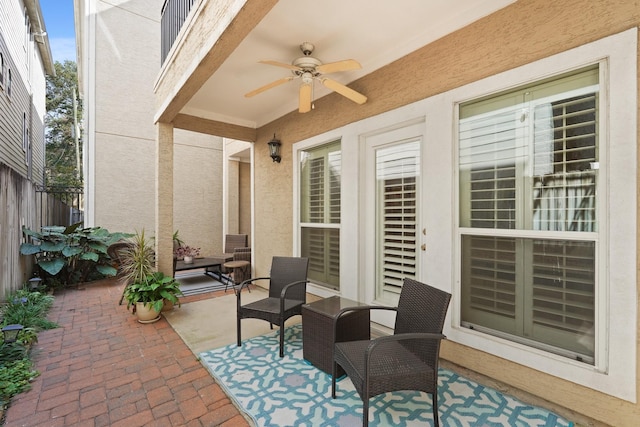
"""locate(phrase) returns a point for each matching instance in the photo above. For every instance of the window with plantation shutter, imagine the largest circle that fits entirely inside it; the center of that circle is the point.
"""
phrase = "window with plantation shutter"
(528, 169)
(397, 169)
(320, 170)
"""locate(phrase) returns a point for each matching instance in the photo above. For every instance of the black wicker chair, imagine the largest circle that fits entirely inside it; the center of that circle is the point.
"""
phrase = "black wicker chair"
(287, 294)
(406, 360)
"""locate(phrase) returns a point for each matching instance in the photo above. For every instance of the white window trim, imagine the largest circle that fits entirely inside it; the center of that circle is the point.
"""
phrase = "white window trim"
(616, 299)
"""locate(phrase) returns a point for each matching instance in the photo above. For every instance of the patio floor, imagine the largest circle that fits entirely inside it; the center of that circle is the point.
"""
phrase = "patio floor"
(103, 368)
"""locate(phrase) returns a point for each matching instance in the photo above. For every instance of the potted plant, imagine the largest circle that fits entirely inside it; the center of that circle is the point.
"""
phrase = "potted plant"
(177, 241)
(146, 297)
(137, 259)
(187, 253)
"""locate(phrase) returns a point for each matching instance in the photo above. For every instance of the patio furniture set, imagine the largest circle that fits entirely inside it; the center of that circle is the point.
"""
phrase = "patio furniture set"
(337, 337)
(336, 330)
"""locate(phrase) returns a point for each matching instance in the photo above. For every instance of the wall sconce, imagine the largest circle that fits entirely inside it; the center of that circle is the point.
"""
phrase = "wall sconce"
(274, 149)
(10, 333)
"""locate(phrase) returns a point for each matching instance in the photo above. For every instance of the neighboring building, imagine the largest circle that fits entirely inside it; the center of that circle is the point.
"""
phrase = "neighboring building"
(25, 60)
(496, 158)
(118, 65)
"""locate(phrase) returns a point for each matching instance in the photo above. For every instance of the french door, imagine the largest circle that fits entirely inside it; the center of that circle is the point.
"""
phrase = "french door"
(391, 210)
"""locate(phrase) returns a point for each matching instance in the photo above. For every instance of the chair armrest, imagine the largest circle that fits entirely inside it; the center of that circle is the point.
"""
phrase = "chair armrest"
(358, 308)
(237, 289)
(398, 337)
(283, 294)
(285, 290)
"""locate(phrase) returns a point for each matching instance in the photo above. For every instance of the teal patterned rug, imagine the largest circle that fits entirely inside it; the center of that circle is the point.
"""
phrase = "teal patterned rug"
(287, 391)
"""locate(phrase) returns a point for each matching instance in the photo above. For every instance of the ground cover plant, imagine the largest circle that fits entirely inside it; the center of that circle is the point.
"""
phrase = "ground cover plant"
(28, 309)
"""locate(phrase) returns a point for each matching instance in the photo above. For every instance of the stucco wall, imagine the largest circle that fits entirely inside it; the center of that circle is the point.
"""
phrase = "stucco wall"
(122, 134)
(519, 34)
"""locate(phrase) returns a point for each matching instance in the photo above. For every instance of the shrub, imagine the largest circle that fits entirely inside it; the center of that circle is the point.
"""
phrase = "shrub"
(71, 255)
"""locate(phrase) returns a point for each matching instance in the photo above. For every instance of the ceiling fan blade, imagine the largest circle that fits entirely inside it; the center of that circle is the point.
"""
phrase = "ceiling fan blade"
(345, 91)
(281, 64)
(333, 67)
(268, 86)
(304, 105)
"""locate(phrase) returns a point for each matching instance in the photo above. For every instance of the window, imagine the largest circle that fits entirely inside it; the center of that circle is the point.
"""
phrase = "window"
(320, 170)
(528, 176)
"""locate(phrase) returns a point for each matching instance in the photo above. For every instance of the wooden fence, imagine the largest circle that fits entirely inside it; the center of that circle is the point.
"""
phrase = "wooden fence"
(24, 204)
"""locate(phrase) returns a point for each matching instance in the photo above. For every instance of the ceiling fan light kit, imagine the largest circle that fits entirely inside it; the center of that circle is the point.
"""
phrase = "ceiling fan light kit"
(307, 69)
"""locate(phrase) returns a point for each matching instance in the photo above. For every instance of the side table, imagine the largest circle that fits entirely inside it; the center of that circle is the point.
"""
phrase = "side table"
(237, 267)
(317, 330)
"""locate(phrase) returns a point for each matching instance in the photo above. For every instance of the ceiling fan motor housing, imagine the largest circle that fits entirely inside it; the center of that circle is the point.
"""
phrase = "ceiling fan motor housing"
(307, 64)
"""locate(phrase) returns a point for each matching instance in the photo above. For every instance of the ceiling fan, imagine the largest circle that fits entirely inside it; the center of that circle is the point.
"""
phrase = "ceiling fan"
(307, 69)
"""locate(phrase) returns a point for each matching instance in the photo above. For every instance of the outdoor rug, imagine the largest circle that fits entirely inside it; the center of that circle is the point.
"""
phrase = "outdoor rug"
(288, 391)
(194, 283)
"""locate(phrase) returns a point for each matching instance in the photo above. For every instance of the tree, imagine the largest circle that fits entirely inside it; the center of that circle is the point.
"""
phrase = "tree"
(62, 135)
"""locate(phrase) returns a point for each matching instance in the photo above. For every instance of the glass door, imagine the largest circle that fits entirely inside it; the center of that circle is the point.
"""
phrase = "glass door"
(392, 220)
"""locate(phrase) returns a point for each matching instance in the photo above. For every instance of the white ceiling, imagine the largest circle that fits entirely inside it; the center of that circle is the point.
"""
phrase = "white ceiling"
(375, 33)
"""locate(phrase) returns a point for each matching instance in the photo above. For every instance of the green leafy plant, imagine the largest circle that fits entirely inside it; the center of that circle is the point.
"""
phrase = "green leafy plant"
(16, 370)
(137, 259)
(72, 254)
(177, 241)
(153, 290)
(28, 309)
(15, 377)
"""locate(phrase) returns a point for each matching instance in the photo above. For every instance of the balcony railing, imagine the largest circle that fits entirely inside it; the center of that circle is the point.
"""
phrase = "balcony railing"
(174, 13)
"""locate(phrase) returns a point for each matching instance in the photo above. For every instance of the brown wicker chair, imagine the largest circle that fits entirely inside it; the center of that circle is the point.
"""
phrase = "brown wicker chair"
(231, 242)
(242, 274)
(406, 360)
(287, 294)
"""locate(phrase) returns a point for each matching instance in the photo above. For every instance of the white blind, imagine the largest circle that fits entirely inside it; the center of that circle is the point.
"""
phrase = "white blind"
(528, 160)
(320, 213)
(397, 172)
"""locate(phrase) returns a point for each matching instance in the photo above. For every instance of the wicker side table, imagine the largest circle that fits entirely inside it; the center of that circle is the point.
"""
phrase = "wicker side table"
(317, 330)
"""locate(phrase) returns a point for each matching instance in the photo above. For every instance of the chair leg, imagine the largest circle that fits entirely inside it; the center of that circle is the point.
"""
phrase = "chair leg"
(434, 401)
(334, 370)
(365, 412)
(239, 332)
(282, 339)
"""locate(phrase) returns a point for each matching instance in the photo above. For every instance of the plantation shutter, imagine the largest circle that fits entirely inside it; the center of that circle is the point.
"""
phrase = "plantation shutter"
(397, 173)
(320, 213)
(528, 161)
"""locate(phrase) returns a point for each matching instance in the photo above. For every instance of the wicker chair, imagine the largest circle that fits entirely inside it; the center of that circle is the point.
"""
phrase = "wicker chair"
(287, 294)
(231, 242)
(406, 360)
(242, 274)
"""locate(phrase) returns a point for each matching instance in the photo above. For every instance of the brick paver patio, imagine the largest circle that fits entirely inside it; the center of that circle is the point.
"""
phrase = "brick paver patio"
(103, 368)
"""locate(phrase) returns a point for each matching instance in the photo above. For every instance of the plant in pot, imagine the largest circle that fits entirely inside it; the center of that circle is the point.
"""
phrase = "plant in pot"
(137, 259)
(186, 253)
(146, 297)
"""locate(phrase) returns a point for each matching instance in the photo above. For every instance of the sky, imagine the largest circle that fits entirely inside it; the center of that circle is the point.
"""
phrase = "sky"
(58, 20)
